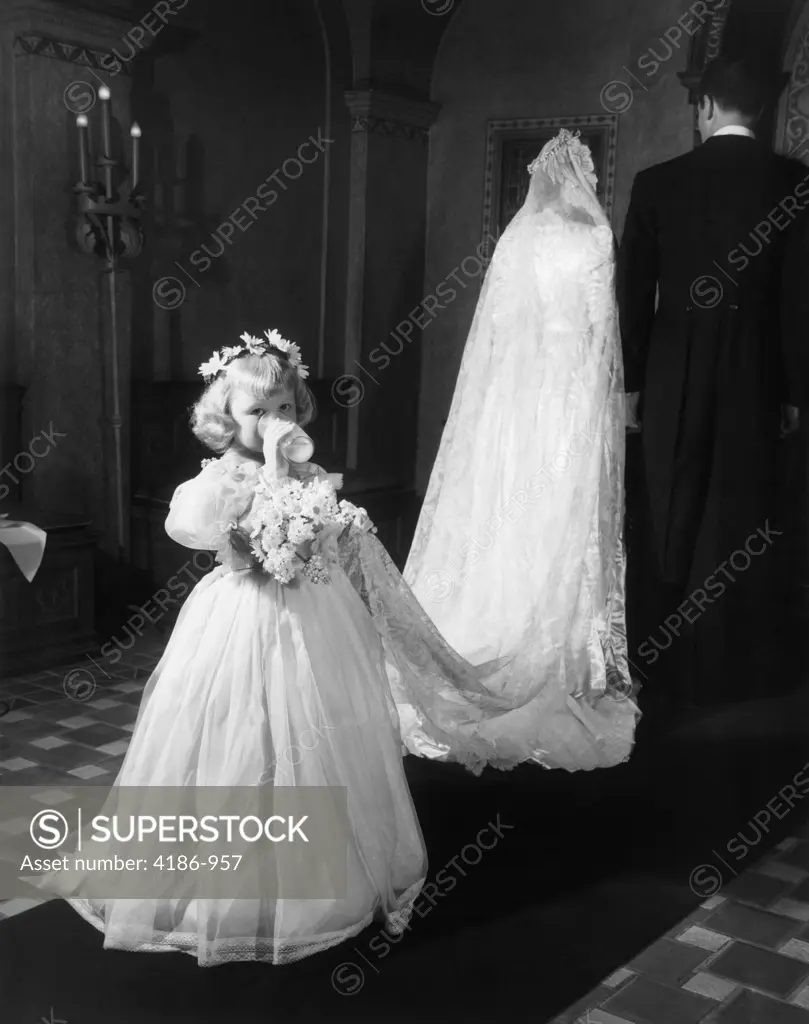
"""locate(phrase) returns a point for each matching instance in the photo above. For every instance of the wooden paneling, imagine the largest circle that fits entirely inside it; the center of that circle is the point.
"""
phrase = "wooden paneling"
(50, 620)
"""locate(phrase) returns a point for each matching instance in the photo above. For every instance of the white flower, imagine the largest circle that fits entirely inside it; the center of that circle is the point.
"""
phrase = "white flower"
(213, 366)
(272, 537)
(278, 564)
(255, 346)
(232, 351)
(274, 518)
(276, 339)
(294, 353)
(319, 504)
(300, 530)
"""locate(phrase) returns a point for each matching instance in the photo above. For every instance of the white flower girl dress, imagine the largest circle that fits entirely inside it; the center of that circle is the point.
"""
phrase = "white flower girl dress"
(253, 670)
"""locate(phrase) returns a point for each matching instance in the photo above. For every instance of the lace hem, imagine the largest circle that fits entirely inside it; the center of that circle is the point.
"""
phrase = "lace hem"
(259, 949)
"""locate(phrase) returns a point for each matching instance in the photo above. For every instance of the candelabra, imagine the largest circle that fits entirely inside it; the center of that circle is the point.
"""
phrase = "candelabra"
(109, 226)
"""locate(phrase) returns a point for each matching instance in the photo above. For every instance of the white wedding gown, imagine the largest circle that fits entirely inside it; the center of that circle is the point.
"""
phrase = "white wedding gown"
(518, 552)
(527, 480)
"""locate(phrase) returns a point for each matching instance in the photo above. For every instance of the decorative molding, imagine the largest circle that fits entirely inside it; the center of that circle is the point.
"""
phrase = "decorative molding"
(398, 117)
(103, 24)
(394, 129)
(37, 45)
(536, 132)
(793, 115)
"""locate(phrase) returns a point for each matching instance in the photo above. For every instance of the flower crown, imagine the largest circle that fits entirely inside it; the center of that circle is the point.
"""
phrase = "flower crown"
(548, 158)
(256, 347)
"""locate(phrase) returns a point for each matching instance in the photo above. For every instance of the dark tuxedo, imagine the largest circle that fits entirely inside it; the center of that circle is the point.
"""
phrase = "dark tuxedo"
(719, 235)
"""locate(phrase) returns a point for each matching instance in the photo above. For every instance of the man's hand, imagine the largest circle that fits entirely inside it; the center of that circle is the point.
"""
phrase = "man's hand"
(632, 421)
(790, 419)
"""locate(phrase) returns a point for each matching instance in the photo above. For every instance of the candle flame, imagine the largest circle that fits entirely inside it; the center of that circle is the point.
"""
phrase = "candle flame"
(135, 131)
(82, 121)
(103, 93)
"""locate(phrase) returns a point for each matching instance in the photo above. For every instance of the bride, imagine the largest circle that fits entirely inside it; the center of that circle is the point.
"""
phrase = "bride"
(518, 649)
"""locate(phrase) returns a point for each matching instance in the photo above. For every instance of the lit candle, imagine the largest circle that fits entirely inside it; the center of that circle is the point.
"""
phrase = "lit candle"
(104, 96)
(135, 132)
(81, 123)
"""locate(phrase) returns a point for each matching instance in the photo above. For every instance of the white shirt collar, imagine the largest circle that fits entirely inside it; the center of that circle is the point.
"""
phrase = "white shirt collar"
(734, 129)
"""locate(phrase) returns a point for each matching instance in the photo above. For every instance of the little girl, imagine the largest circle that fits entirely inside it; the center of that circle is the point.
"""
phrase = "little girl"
(267, 683)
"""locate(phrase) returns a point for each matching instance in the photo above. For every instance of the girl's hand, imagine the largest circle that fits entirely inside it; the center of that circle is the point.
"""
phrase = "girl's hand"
(305, 550)
(276, 466)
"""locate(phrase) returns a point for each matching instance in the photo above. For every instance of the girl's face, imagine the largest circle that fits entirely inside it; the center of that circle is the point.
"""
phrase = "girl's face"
(251, 415)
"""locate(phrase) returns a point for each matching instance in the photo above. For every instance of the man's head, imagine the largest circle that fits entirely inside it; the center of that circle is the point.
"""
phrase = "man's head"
(730, 93)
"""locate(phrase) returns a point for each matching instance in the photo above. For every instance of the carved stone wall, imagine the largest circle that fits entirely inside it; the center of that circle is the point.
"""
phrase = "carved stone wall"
(793, 120)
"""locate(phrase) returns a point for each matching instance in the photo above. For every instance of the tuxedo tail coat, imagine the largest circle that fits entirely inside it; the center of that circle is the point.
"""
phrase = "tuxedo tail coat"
(713, 286)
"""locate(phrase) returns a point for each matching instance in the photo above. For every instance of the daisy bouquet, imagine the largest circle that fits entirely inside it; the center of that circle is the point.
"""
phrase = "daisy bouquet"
(294, 525)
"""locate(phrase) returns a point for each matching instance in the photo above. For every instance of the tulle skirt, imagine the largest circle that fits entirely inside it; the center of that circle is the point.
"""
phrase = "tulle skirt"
(253, 671)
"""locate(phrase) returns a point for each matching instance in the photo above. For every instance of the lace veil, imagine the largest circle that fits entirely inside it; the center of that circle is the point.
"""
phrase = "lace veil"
(518, 555)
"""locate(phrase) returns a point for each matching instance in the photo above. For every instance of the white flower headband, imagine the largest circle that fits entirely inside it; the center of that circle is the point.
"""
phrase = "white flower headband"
(257, 347)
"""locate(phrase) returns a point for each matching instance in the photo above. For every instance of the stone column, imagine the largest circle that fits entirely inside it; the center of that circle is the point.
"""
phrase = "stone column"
(792, 139)
(54, 300)
(386, 245)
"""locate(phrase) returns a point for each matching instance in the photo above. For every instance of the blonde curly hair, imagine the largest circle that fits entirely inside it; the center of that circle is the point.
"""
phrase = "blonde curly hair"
(260, 376)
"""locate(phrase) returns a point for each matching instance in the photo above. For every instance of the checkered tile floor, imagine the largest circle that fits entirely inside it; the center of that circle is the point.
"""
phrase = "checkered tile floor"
(740, 958)
(71, 725)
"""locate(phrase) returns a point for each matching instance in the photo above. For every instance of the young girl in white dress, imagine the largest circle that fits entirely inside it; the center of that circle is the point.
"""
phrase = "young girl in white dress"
(268, 683)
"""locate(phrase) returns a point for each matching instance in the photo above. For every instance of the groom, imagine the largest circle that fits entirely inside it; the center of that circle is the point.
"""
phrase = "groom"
(713, 277)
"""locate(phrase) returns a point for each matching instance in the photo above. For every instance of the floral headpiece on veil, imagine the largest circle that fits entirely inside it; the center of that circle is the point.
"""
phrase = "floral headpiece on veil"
(565, 149)
(257, 347)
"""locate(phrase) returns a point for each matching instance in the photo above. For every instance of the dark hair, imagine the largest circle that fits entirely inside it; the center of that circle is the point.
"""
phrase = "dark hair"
(735, 85)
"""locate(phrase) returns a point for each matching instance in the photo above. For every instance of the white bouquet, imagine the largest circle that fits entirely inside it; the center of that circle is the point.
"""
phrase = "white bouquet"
(293, 526)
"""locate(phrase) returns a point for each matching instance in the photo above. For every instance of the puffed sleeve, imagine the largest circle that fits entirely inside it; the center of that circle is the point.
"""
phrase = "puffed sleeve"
(203, 509)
